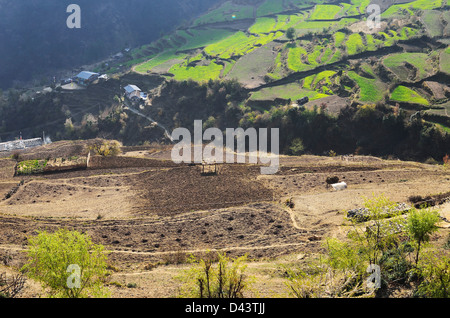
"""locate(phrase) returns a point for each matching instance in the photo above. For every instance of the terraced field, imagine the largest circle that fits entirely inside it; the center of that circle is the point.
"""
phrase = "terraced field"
(410, 66)
(408, 95)
(234, 42)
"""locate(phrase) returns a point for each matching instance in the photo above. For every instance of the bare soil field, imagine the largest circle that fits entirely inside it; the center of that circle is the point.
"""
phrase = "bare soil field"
(150, 213)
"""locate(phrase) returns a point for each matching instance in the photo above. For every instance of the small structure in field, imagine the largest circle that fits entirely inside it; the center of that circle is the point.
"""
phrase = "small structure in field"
(132, 92)
(209, 169)
(86, 78)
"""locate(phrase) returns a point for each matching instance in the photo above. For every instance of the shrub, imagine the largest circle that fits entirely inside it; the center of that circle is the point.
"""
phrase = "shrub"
(297, 148)
(106, 148)
(290, 34)
(225, 279)
(53, 256)
(435, 272)
(321, 280)
(376, 239)
(421, 224)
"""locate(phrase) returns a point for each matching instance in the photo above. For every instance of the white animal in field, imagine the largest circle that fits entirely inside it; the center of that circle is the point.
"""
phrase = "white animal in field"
(339, 186)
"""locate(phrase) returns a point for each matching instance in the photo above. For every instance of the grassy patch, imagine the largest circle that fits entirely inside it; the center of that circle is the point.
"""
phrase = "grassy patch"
(158, 60)
(355, 44)
(407, 95)
(239, 44)
(311, 82)
(197, 73)
(432, 20)
(396, 62)
(325, 12)
(296, 59)
(291, 91)
(203, 37)
(263, 25)
(339, 38)
(405, 8)
(444, 60)
(371, 90)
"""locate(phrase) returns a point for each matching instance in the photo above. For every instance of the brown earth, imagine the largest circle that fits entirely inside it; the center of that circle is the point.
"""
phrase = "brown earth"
(147, 211)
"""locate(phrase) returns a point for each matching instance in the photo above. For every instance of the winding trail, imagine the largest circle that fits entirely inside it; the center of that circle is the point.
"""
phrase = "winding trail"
(135, 111)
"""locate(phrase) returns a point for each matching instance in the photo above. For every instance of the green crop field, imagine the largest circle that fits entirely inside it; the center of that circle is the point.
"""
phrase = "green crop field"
(339, 38)
(407, 95)
(294, 61)
(263, 25)
(203, 37)
(445, 60)
(399, 9)
(286, 21)
(158, 60)
(236, 44)
(239, 44)
(311, 82)
(291, 91)
(371, 90)
(362, 5)
(396, 63)
(432, 21)
(355, 44)
(325, 12)
(198, 73)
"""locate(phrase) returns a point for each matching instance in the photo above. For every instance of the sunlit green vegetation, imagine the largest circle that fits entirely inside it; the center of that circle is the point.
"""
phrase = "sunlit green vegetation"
(263, 25)
(325, 12)
(203, 37)
(355, 44)
(197, 73)
(296, 59)
(370, 89)
(405, 94)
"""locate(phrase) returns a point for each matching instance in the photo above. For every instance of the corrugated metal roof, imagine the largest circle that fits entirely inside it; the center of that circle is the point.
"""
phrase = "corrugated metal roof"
(86, 75)
(132, 88)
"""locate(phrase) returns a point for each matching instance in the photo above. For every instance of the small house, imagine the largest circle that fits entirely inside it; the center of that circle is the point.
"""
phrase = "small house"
(86, 78)
(132, 92)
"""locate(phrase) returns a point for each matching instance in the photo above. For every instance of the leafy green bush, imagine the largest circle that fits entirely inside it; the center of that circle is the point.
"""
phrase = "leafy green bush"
(435, 272)
(31, 167)
(297, 147)
(421, 224)
(224, 279)
(106, 148)
(52, 258)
